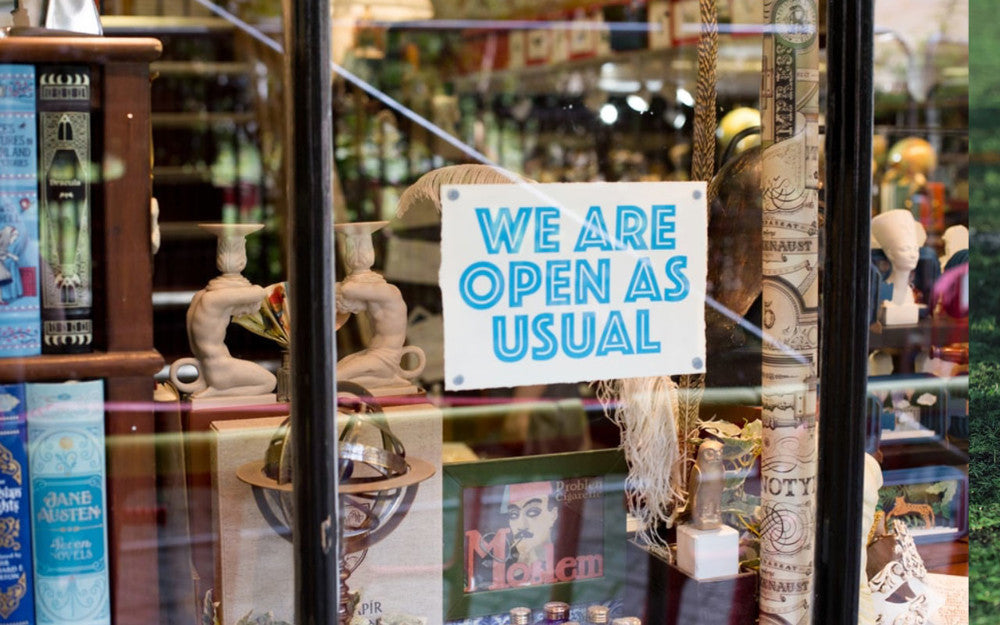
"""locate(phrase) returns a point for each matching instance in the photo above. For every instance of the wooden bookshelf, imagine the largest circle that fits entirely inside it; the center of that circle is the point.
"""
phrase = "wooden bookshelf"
(80, 366)
(123, 314)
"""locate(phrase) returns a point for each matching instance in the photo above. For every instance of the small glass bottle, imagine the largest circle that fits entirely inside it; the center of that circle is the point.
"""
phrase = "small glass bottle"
(597, 615)
(556, 612)
(520, 616)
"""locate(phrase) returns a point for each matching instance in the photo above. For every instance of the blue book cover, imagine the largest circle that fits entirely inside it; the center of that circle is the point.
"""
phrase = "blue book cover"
(20, 308)
(68, 502)
(17, 603)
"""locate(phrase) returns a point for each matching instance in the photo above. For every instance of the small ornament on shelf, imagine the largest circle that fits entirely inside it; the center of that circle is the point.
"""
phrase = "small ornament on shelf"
(520, 616)
(597, 614)
(556, 612)
(706, 548)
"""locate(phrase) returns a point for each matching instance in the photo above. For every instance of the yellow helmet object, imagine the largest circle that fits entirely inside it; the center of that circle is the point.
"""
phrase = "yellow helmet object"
(734, 122)
(913, 155)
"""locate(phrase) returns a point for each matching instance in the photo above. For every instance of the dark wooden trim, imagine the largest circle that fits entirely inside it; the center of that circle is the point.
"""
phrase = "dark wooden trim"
(844, 320)
(96, 50)
(127, 188)
(81, 366)
(316, 548)
(133, 542)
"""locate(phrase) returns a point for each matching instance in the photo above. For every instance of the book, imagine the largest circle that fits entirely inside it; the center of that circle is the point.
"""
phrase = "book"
(20, 310)
(17, 602)
(66, 458)
(64, 138)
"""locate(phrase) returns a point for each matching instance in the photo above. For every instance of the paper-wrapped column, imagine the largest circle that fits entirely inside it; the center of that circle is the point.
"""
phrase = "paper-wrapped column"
(789, 181)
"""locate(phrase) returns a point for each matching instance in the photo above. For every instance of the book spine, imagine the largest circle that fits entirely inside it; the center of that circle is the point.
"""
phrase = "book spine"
(64, 136)
(20, 309)
(17, 602)
(68, 502)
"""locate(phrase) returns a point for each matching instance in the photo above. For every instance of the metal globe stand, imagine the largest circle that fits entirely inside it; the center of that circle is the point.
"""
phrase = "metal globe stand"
(377, 483)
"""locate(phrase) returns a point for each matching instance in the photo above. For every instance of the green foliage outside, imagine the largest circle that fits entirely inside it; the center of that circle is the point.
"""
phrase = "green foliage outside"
(984, 121)
(984, 381)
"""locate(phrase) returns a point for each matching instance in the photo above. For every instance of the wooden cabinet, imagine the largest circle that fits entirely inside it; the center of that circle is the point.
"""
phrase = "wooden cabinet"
(124, 354)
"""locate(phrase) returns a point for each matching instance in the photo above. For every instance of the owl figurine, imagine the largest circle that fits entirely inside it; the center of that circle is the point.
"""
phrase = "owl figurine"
(705, 487)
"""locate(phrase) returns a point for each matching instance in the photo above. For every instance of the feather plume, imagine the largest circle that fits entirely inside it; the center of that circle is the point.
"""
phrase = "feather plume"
(427, 189)
(645, 410)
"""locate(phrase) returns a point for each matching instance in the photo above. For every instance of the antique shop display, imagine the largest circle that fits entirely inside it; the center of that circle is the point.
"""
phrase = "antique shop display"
(390, 491)
(900, 237)
(600, 270)
(379, 367)
(789, 369)
(220, 374)
(20, 309)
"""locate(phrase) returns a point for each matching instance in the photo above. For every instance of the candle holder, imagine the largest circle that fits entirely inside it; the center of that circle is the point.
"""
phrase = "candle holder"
(220, 375)
(379, 366)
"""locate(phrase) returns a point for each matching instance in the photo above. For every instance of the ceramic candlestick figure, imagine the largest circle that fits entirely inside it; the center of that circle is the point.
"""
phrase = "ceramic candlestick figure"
(212, 308)
(899, 236)
(378, 367)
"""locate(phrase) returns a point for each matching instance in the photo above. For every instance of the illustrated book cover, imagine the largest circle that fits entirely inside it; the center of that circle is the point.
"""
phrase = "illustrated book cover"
(66, 190)
(17, 604)
(20, 309)
(68, 502)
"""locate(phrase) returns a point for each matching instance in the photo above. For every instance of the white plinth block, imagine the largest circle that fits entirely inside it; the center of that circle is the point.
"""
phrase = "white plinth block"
(705, 554)
(905, 315)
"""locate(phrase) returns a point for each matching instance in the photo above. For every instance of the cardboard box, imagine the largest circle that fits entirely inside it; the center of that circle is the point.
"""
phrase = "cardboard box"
(399, 575)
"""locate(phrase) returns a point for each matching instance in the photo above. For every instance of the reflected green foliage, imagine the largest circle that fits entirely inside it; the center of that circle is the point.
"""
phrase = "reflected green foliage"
(984, 381)
(984, 116)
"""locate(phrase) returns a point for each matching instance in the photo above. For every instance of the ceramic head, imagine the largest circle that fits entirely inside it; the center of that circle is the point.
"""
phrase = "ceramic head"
(900, 236)
(955, 238)
(710, 452)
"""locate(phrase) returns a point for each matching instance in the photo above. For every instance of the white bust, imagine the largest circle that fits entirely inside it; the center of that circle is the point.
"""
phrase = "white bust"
(900, 236)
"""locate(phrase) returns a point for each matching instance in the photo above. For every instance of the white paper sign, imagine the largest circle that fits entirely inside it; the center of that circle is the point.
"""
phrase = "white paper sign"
(546, 283)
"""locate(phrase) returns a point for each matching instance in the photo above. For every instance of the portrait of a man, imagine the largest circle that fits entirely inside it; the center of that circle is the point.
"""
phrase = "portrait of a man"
(532, 512)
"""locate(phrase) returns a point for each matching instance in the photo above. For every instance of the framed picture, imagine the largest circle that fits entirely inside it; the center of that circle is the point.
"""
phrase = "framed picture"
(933, 501)
(523, 531)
